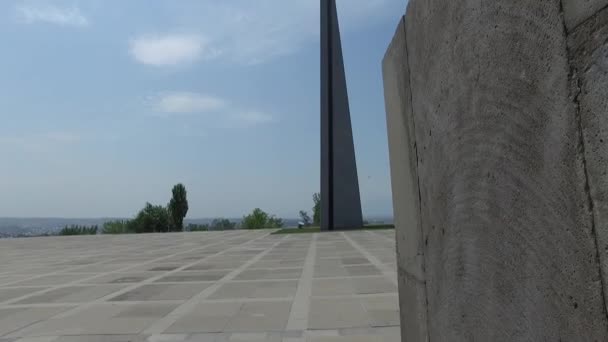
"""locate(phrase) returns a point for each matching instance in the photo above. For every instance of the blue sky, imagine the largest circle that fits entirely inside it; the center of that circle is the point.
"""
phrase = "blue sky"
(105, 104)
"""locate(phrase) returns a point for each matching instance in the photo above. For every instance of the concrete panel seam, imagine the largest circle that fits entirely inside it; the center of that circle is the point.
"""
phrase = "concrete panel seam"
(411, 276)
(582, 22)
(426, 297)
(577, 90)
(590, 203)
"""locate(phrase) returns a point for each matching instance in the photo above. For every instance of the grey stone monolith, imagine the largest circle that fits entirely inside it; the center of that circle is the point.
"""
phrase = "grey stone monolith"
(496, 114)
(340, 197)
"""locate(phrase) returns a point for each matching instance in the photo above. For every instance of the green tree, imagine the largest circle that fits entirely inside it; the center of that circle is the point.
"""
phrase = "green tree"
(274, 222)
(256, 220)
(178, 207)
(259, 219)
(305, 218)
(151, 219)
(316, 210)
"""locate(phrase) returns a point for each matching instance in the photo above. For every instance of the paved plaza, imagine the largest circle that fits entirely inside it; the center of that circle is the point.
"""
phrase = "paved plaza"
(217, 286)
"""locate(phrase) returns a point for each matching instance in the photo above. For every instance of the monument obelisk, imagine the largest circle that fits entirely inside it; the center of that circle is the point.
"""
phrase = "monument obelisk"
(340, 198)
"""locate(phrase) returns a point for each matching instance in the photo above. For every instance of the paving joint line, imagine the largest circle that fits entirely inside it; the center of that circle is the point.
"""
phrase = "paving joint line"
(80, 281)
(148, 281)
(166, 322)
(83, 306)
(386, 271)
(298, 316)
(75, 268)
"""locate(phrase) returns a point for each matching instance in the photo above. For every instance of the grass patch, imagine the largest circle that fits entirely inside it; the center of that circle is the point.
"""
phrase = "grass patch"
(318, 230)
(78, 230)
(379, 226)
(298, 231)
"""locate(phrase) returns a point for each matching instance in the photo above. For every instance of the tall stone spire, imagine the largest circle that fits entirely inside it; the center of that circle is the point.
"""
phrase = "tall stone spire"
(340, 198)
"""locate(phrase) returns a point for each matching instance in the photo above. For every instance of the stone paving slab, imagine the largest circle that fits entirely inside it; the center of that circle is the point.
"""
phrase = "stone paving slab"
(217, 286)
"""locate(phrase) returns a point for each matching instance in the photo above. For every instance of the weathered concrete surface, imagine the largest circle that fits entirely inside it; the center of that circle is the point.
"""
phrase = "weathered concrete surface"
(509, 246)
(589, 59)
(404, 176)
(577, 11)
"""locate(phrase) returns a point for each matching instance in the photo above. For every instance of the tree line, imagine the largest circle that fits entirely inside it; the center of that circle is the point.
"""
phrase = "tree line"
(170, 218)
(155, 218)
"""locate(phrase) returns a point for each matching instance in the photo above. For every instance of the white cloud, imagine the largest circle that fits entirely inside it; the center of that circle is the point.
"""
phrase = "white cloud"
(254, 117)
(49, 14)
(220, 110)
(171, 50)
(186, 102)
(250, 32)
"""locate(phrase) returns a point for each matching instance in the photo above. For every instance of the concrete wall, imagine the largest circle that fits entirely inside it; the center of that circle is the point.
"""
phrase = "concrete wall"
(589, 59)
(578, 11)
(498, 121)
(402, 145)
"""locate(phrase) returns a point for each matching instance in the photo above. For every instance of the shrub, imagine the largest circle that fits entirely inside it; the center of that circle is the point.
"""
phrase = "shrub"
(274, 222)
(259, 219)
(222, 224)
(151, 219)
(256, 220)
(118, 227)
(197, 227)
(78, 230)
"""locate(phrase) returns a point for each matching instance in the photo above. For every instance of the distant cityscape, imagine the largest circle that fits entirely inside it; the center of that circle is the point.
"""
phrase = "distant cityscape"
(32, 227)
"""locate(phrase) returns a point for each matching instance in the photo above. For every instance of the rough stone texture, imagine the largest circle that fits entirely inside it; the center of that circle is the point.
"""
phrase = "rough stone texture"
(509, 242)
(577, 11)
(402, 148)
(589, 58)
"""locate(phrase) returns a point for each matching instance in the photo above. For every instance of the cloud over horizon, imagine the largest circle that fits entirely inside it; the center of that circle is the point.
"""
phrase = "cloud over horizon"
(187, 102)
(171, 50)
(254, 117)
(248, 32)
(30, 13)
(171, 104)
